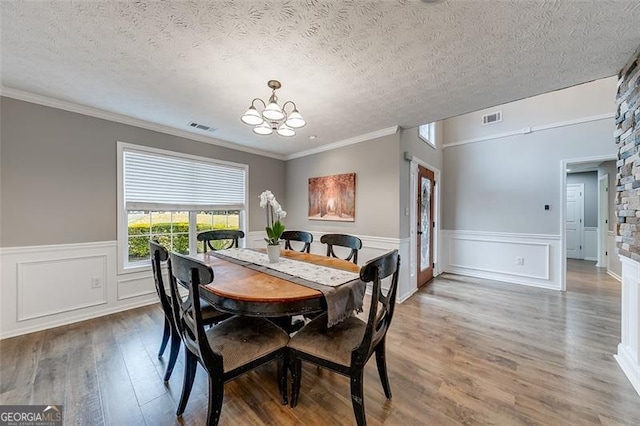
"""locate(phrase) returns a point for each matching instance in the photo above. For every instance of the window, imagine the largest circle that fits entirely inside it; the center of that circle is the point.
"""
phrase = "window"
(427, 133)
(171, 197)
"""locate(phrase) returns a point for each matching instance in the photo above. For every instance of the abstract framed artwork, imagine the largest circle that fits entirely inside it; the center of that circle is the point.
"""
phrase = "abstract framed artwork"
(333, 198)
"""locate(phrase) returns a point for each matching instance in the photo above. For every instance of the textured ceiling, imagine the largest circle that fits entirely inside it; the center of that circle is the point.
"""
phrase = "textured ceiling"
(352, 67)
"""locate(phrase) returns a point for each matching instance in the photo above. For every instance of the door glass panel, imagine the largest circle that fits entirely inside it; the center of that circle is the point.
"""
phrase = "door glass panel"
(425, 221)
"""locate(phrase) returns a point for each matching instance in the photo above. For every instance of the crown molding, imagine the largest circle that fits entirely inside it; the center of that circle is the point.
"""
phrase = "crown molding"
(136, 122)
(532, 129)
(123, 119)
(351, 141)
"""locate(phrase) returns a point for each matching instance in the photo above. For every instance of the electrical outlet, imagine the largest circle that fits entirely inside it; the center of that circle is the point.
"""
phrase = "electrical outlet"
(96, 282)
(520, 261)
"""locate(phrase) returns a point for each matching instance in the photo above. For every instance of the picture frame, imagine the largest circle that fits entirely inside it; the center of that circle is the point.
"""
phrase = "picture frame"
(333, 198)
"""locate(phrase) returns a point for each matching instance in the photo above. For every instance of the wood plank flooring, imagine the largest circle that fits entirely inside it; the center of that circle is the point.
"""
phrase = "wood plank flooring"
(460, 351)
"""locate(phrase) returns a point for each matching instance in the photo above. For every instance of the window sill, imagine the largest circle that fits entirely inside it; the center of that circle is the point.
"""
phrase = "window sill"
(134, 269)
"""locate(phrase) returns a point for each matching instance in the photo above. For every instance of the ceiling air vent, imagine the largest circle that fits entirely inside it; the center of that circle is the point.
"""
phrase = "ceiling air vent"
(494, 117)
(201, 127)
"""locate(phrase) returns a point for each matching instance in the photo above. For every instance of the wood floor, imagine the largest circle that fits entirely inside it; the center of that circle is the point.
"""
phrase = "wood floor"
(460, 351)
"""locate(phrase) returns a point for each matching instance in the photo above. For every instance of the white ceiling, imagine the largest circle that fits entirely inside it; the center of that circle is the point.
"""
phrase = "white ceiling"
(352, 67)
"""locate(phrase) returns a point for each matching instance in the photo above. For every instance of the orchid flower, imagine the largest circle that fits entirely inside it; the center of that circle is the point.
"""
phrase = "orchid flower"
(274, 213)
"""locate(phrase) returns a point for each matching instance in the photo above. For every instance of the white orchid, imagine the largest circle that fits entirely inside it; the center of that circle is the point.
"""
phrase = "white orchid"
(265, 198)
(274, 211)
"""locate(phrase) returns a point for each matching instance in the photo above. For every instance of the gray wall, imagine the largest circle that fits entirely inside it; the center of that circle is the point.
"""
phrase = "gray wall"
(58, 174)
(502, 185)
(376, 167)
(411, 143)
(590, 181)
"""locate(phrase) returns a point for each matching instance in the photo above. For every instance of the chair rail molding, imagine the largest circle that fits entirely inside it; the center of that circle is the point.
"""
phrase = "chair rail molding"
(527, 259)
(531, 129)
(51, 285)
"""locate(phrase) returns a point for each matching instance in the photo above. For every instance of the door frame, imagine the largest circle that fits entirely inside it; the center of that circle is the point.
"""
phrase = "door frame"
(603, 227)
(580, 229)
(413, 214)
(561, 256)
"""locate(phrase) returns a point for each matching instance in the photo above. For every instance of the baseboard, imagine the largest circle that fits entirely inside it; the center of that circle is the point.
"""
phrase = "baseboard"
(591, 259)
(407, 295)
(614, 275)
(500, 277)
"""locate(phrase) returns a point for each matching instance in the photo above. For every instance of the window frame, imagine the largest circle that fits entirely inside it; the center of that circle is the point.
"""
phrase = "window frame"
(427, 132)
(124, 267)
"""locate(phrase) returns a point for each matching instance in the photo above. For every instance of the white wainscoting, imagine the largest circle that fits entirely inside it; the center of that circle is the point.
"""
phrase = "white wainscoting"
(590, 249)
(48, 286)
(494, 255)
(628, 355)
(371, 247)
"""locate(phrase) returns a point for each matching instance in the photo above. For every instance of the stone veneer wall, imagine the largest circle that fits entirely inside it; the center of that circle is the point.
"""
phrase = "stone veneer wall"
(627, 135)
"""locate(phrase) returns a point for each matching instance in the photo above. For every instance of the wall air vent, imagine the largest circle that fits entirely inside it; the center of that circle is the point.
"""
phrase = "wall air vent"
(201, 127)
(494, 117)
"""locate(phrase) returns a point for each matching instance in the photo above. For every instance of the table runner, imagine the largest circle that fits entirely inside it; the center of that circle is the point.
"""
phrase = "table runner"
(343, 290)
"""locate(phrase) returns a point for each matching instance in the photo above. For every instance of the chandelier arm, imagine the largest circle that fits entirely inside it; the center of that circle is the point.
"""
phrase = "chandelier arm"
(289, 102)
(258, 99)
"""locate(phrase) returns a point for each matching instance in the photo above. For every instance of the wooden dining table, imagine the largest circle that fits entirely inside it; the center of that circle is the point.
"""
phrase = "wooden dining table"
(240, 290)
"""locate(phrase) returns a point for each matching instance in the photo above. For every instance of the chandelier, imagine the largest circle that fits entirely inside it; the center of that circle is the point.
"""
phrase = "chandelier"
(273, 118)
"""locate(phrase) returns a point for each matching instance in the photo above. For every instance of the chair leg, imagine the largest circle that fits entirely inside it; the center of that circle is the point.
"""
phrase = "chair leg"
(165, 337)
(216, 395)
(190, 367)
(173, 354)
(295, 365)
(282, 377)
(381, 362)
(357, 397)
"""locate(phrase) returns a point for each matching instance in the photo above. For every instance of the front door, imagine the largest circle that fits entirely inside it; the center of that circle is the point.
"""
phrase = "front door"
(426, 184)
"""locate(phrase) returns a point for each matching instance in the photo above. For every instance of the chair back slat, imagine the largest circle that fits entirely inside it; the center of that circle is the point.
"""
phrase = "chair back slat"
(226, 238)
(302, 236)
(191, 273)
(159, 255)
(381, 308)
(342, 240)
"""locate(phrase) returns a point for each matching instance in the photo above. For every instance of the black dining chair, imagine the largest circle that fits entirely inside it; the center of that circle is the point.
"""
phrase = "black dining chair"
(346, 347)
(227, 350)
(224, 239)
(210, 315)
(342, 240)
(302, 236)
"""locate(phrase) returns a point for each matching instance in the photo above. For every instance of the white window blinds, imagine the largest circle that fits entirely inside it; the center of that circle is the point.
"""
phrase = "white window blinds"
(155, 181)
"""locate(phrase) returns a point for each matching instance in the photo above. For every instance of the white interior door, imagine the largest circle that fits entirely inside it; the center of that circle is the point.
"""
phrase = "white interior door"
(575, 220)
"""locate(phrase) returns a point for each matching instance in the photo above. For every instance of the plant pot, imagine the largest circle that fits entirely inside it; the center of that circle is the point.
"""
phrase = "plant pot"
(274, 253)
